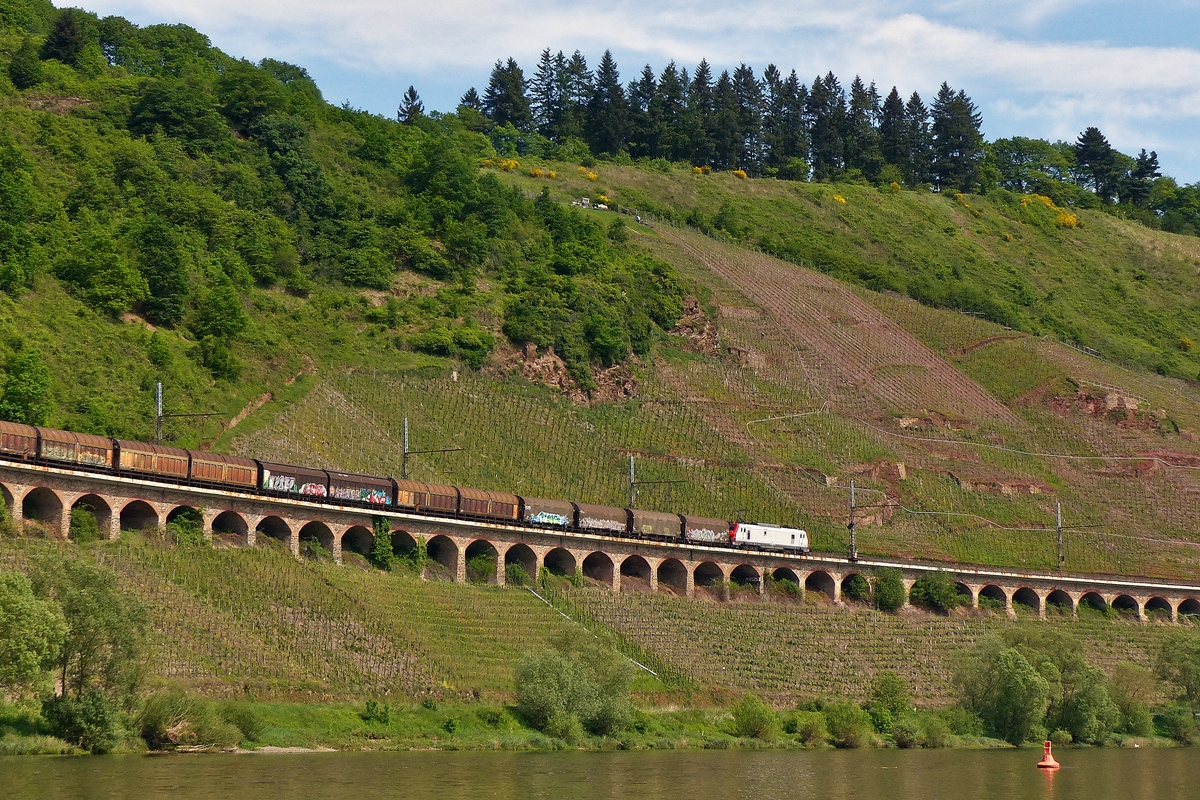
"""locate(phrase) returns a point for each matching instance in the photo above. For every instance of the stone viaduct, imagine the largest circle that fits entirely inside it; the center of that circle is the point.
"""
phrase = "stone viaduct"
(49, 494)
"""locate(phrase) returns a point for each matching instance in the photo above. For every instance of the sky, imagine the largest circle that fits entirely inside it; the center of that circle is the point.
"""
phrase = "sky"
(1037, 68)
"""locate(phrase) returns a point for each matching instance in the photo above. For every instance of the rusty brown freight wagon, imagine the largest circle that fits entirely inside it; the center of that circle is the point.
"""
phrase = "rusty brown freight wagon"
(481, 503)
(441, 498)
(224, 470)
(289, 479)
(18, 440)
(76, 448)
(152, 459)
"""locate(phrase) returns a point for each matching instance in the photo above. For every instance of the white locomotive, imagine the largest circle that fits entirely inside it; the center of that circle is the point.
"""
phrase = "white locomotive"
(769, 536)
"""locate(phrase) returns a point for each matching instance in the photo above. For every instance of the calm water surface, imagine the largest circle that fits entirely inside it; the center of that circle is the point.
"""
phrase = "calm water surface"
(828, 775)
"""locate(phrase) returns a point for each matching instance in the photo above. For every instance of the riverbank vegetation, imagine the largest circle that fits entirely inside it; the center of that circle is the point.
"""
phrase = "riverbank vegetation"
(146, 644)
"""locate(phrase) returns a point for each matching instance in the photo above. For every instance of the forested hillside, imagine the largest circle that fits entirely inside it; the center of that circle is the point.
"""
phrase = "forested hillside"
(803, 292)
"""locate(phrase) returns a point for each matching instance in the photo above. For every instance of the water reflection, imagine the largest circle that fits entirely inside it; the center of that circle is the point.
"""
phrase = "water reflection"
(827, 775)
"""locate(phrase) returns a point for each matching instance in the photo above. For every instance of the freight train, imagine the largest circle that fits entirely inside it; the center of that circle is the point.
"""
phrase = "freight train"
(190, 467)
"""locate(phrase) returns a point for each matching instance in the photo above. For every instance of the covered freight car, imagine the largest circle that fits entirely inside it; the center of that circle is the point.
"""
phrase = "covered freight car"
(702, 529)
(364, 489)
(77, 448)
(221, 470)
(17, 440)
(656, 523)
(441, 499)
(481, 503)
(601, 518)
(288, 479)
(550, 513)
(152, 459)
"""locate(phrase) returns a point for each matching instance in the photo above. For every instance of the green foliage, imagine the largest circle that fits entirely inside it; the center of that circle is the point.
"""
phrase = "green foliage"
(481, 568)
(1179, 664)
(376, 711)
(71, 32)
(581, 684)
(105, 627)
(26, 392)
(515, 575)
(889, 589)
(382, 554)
(889, 700)
(1179, 723)
(32, 631)
(84, 527)
(809, 727)
(174, 718)
(857, 588)
(187, 529)
(937, 591)
(849, 725)
(907, 732)
(244, 717)
(91, 720)
(755, 719)
(1005, 690)
(1132, 687)
(25, 70)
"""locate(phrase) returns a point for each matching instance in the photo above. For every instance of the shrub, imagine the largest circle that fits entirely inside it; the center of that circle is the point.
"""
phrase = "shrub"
(889, 691)
(243, 717)
(376, 711)
(90, 722)
(936, 591)
(810, 727)
(480, 568)
(889, 589)
(175, 718)
(490, 715)
(84, 527)
(935, 731)
(515, 575)
(1061, 738)
(581, 679)
(849, 725)
(754, 718)
(907, 732)
(1178, 723)
(857, 588)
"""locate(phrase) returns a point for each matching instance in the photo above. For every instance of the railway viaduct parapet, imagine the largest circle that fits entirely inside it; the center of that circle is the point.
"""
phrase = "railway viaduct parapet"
(48, 495)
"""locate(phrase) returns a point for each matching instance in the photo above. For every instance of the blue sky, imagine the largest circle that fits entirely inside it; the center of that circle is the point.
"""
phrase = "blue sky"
(1042, 69)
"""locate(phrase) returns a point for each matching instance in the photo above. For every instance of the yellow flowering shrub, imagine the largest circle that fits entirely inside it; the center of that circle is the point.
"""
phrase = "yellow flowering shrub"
(509, 164)
(1065, 218)
(697, 170)
(895, 187)
(537, 172)
(837, 198)
(739, 173)
(1006, 236)
(1186, 344)
(602, 198)
(583, 170)
(551, 174)
(591, 176)
(487, 163)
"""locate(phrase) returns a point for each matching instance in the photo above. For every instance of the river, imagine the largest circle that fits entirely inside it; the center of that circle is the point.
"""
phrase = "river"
(690, 775)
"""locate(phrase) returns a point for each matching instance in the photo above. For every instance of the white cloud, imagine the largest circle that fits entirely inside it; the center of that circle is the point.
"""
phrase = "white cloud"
(1002, 52)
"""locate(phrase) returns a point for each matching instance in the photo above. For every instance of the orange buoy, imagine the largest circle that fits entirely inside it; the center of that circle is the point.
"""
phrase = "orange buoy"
(1048, 761)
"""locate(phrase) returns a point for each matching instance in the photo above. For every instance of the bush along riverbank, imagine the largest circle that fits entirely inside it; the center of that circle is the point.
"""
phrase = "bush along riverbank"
(575, 695)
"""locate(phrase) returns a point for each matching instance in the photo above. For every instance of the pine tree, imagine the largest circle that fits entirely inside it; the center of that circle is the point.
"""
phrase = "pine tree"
(957, 142)
(505, 100)
(1136, 187)
(643, 132)
(470, 99)
(1096, 159)
(25, 70)
(825, 111)
(920, 154)
(71, 32)
(668, 110)
(699, 115)
(723, 127)
(411, 106)
(750, 102)
(607, 111)
(862, 139)
(893, 133)
(543, 93)
(574, 92)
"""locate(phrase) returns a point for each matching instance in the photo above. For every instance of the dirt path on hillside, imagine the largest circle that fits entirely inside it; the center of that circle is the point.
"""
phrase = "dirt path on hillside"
(849, 347)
